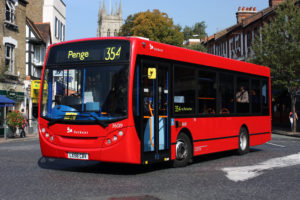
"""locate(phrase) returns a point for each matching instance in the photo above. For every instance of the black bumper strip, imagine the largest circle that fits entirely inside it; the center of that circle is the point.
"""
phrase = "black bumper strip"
(221, 138)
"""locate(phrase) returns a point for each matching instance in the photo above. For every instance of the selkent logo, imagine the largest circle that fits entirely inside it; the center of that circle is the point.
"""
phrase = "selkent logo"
(152, 48)
(69, 130)
(78, 132)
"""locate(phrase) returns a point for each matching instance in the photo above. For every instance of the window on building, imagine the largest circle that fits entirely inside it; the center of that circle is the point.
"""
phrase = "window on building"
(116, 32)
(249, 40)
(64, 33)
(10, 11)
(108, 33)
(39, 54)
(9, 57)
(207, 92)
(61, 31)
(56, 27)
(184, 90)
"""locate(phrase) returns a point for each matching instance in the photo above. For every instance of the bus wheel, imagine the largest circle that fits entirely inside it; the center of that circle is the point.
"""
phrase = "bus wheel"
(183, 151)
(243, 141)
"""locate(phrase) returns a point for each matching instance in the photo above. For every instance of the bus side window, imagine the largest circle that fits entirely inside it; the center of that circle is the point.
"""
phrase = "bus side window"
(184, 90)
(242, 95)
(265, 97)
(227, 93)
(207, 92)
(256, 96)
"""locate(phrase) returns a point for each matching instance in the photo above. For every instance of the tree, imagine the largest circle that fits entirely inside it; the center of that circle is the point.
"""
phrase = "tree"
(197, 47)
(279, 48)
(155, 25)
(196, 31)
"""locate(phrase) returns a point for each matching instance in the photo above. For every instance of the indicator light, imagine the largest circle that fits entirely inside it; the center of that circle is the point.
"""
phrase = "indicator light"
(51, 138)
(47, 135)
(43, 130)
(108, 141)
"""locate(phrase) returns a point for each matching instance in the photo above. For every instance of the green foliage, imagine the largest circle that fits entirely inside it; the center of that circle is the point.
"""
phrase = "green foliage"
(155, 25)
(196, 31)
(197, 47)
(16, 119)
(279, 47)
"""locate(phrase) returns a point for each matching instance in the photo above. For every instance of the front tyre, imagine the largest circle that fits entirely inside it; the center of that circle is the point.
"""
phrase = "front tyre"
(183, 151)
(243, 141)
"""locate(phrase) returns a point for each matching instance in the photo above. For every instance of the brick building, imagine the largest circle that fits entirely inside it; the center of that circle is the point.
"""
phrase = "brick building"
(235, 41)
(25, 34)
(12, 53)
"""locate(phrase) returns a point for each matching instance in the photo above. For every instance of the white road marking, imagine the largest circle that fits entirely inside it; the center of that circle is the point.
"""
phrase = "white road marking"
(277, 145)
(248, 172)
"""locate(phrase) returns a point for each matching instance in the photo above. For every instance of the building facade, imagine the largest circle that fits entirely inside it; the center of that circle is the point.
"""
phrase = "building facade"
(12, 52)
(235, 41)
(25, 34)
(54, 12)
(109, 24)
(38, 38)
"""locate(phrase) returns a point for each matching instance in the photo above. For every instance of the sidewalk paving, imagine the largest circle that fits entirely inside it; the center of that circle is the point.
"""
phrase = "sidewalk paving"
(284, 131)
(17, 138)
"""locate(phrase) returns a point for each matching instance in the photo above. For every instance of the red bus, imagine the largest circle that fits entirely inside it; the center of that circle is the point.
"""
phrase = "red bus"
(131, 100)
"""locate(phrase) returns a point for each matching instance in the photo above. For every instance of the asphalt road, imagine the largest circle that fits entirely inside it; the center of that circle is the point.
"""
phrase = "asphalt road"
(270, 171)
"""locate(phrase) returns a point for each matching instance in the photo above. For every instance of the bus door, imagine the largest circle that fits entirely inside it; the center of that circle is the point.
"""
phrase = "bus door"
(155, 112)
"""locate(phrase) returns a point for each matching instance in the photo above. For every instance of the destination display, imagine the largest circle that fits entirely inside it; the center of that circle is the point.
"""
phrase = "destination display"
(90, 51)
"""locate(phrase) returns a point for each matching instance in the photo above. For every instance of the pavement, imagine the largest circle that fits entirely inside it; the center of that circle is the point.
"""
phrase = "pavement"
(28, 137)
(284, 130)
(279, 130)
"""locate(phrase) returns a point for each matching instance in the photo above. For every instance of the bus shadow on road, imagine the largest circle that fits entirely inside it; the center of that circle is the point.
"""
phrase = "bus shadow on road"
(122, 169)
(97, 167)
(220, 155)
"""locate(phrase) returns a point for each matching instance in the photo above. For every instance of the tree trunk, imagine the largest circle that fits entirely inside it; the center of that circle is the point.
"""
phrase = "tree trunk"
(293, 109)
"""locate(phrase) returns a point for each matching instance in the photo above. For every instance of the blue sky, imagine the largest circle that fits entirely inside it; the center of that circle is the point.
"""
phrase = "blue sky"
(217, 14)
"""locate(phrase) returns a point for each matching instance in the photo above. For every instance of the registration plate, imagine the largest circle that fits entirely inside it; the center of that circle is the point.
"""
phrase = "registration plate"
(79, 156)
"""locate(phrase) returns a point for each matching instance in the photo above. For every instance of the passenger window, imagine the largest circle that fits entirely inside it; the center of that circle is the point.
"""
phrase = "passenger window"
(227, 94)
(242, 95)
(256, 96)
(207, 92)
(184, 90)
(265, 97)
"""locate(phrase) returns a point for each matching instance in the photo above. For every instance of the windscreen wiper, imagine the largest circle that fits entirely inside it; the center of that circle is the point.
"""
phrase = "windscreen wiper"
(54, 121)
(100, 122)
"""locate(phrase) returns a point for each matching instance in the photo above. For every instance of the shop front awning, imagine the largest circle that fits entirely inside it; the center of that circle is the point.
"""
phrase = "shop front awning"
(6, 102)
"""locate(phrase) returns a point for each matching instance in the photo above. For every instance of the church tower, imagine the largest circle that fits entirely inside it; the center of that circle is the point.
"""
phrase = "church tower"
(109, 23)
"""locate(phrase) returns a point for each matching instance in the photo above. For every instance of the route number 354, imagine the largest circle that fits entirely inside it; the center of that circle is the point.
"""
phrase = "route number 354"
(112, 53)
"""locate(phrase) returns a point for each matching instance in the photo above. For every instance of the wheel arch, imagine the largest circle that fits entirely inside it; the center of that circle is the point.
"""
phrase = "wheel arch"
(247, 129)
(189, 134)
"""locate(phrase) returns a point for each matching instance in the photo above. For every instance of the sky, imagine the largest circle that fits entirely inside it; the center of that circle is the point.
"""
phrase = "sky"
(82, 15)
